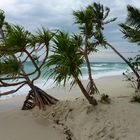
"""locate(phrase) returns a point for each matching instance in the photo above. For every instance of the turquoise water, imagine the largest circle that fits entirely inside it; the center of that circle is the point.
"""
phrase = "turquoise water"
(99, 69)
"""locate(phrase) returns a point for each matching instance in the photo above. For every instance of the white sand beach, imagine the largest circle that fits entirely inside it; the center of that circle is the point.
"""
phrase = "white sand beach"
(73, 117)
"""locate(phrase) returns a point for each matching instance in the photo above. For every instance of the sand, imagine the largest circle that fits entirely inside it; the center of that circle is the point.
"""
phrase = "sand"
(75, 119)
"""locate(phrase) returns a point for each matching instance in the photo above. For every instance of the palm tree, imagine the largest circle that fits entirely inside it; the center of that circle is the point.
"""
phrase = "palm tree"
(84, 19)
(15, 43)
(100, 22)
(66, 61)
(131, 31)
(91, 21)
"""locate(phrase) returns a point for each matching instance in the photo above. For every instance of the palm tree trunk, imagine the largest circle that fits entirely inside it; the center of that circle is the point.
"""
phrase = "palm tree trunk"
(93, 86)
(138, 86)
(127, 62)
(90, 99)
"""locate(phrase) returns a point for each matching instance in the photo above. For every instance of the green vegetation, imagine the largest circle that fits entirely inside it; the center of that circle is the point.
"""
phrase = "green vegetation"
(105, 99)
(67, 60)
(131, 31)
(70, 51)
(90, 21)
(136, 98)
(9, 67)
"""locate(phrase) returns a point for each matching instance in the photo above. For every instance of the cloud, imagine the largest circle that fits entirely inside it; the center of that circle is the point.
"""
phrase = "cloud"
(52, 13)
(58, 14)
(55, 13)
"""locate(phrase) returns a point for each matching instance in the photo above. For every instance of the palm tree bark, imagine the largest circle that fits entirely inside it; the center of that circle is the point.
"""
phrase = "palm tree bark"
(90, 99)
(138, 86)
(93, 87)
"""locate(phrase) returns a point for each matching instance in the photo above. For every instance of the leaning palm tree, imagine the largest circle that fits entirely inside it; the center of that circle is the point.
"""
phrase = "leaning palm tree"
(17, 46)
(66, 61)
(100, 22)
(131, 31)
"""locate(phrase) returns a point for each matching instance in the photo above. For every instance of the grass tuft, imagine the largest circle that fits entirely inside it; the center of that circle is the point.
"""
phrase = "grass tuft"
(105, 99)
(136, 98)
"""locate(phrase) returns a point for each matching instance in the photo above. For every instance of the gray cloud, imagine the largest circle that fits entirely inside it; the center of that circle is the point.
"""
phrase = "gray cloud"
(58, 14)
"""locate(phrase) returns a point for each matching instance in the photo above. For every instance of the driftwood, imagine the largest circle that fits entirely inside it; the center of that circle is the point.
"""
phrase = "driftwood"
(38, 98)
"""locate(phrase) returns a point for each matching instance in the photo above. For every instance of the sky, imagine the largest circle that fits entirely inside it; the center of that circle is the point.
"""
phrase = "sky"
(57, 14)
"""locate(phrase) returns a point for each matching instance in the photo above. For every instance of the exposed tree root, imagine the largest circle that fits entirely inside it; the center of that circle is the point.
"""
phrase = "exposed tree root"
(38, 98)
(90, 87)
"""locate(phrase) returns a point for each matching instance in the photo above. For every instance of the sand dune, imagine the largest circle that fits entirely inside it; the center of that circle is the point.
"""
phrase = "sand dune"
(117, 121)
(74, 118)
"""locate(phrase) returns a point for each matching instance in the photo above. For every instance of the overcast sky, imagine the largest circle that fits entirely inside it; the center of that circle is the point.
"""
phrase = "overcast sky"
(58, 14)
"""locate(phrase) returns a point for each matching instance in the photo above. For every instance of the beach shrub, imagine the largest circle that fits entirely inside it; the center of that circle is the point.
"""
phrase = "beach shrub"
(105, 99)
(136, 98)
(129, 77)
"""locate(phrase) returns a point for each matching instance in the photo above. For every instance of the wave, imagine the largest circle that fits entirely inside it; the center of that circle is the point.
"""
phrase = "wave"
(100, 65)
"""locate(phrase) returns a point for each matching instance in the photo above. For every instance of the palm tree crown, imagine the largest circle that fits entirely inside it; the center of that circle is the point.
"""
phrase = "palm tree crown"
(66, 61)
(92, 18)
(131, 29)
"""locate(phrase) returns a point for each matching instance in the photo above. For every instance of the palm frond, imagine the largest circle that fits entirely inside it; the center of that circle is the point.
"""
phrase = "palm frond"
(84, 19)
(92, 18)
(66, 61)
(100, 15)
(106, 13)
(10, 67)
(132, 34)
(44, 35)
(110, 20)
(133, 17)
(79, 17)
(99, 36)
(2, 17)
(17, 39)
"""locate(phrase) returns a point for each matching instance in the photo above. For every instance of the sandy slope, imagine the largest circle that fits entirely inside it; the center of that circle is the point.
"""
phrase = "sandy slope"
(117, 121)
(20, 125)
(76, 118)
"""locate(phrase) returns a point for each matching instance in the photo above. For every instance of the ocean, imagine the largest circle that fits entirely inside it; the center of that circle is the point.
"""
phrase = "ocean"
(99, 69)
